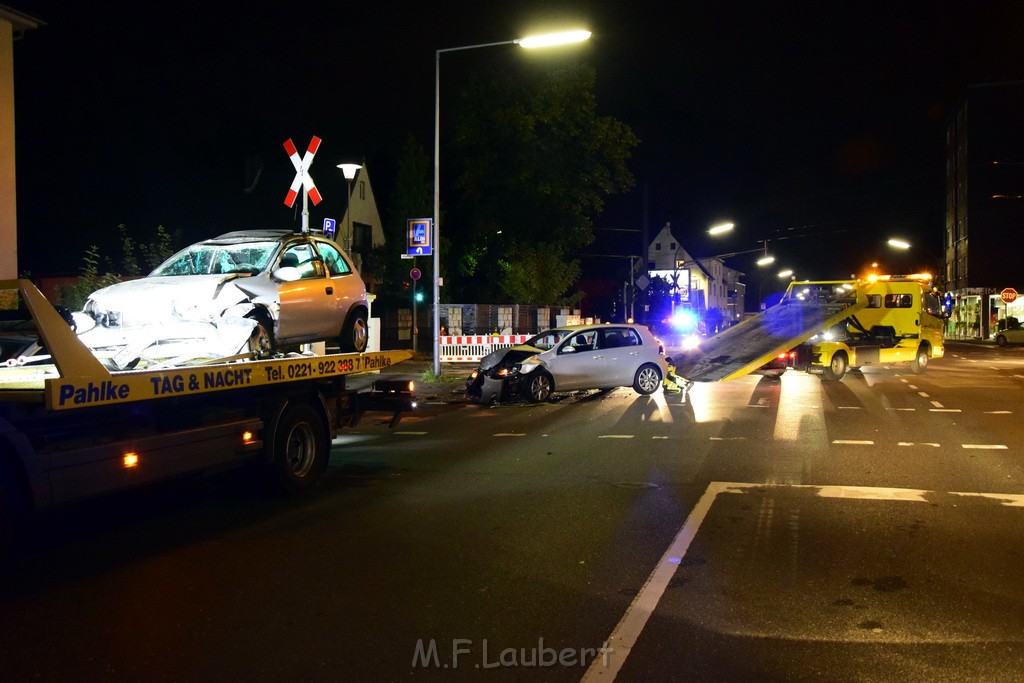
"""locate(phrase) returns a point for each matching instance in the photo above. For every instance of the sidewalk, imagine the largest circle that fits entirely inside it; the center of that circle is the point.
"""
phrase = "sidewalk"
(451, 380)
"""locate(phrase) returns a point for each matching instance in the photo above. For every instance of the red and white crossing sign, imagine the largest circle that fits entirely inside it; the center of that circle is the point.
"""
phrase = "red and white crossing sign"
(302, 177)
(1008, 295)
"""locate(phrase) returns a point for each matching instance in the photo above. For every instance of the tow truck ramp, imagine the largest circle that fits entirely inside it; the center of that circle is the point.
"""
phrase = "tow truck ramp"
(743, 348)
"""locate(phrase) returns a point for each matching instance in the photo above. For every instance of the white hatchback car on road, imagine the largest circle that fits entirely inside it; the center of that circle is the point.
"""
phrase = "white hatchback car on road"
(575, 357)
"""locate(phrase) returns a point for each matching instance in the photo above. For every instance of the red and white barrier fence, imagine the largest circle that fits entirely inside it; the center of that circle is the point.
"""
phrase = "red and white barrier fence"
(471, 348)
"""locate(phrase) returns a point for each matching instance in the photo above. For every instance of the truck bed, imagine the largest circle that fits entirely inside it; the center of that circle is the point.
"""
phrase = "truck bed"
(745, 347)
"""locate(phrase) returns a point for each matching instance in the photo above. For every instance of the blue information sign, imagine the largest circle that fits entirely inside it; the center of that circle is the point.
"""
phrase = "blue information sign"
(419, 237)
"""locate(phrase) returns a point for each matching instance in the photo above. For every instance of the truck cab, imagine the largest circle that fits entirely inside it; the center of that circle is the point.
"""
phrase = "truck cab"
(899, 320)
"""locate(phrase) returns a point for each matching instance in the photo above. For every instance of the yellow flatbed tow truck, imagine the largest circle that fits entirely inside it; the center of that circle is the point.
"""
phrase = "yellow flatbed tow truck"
(71, 428)
(827, 328)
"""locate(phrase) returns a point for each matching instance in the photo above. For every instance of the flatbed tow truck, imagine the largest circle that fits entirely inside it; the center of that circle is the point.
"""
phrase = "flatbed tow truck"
(827, 328)
(72, 428)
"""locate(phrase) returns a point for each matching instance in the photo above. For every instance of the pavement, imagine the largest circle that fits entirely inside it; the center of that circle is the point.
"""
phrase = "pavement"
(451, 382)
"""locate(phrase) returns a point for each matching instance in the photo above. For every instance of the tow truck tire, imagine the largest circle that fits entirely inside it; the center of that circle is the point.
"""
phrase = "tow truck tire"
(920, 362)
(300, 448)
(836, 368)
(538, 386)
(647, 380)
(355, 334)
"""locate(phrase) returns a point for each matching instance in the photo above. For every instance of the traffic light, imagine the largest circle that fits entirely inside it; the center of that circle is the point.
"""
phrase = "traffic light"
(419, 296)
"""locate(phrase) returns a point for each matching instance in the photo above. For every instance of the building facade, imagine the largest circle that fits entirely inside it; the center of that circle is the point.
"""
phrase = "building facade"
(984, 208)
(706, 286)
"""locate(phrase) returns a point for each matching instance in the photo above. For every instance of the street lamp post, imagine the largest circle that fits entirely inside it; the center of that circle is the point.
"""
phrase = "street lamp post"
(350, 171)
(545, 40)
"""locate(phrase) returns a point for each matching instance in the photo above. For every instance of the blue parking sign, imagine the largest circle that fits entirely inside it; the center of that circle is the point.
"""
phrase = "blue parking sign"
(330, 226)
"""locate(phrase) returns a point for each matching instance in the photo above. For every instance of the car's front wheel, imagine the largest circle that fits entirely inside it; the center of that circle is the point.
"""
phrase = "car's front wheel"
(647, 379)
(1001, 340)
(355, 335)
(261, 341)
(539, 386)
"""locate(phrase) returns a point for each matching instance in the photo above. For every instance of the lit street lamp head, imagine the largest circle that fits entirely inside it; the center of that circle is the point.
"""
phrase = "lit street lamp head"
(550, 39)
(899, 244)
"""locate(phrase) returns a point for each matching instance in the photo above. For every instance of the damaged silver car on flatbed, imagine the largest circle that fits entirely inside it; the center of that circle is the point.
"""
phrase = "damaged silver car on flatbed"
(285, 288)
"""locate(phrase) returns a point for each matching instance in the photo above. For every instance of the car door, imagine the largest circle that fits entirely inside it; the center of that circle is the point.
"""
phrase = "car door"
(577, 363)
(307, 301)
(620, 353)
(347, 285)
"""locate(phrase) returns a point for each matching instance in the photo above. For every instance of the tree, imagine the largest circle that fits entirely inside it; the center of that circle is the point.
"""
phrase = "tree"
(534, 163)
(412, 197)
(152, 254)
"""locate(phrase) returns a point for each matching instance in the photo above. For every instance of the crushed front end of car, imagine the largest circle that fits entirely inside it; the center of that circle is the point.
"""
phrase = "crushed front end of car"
(496, 379)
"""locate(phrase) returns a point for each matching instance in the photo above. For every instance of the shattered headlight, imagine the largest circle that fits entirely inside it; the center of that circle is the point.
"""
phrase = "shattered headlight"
(526, 368)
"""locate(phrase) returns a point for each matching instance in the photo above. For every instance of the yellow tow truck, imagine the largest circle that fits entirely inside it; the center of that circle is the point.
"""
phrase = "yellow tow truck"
(71, 427)
(828, 327)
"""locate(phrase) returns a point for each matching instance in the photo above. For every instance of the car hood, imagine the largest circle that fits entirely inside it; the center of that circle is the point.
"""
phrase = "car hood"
(509, 355)
(164, 298)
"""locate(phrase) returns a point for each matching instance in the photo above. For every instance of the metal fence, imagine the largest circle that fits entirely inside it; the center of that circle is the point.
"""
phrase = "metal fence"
(470, 319)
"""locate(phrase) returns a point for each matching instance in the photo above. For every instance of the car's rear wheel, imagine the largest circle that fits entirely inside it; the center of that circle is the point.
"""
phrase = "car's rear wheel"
(647, 379)
(355, 335)
(539, 386)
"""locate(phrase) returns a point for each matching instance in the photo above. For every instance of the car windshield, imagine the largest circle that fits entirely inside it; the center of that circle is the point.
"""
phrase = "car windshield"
(204, 258)
(548, 340)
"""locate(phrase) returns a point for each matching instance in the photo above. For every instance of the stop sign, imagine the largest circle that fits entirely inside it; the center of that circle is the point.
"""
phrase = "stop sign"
(1008, 295)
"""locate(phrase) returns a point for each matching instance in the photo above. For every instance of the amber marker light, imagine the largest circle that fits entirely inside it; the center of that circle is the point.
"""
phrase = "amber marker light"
(129, 460)
(248, 437)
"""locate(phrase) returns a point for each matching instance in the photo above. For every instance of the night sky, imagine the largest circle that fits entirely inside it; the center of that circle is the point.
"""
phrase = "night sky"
(817, 126)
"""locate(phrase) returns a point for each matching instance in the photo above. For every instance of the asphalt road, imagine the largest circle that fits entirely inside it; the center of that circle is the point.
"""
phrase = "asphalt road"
(758, 529)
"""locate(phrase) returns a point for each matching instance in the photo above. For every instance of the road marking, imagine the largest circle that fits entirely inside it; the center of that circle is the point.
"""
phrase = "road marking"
(848, 407)
(615, 436)
(923, 394)
(944, 410)
(1012, 500)
(728, 438)
(937, 404)
(906, 410)
(912, 386)
(853, 442)
(411, 433)
(659, 437)
(911, 443)
(999, 412)
(510, 434)
(627, 632)
(985, 446)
